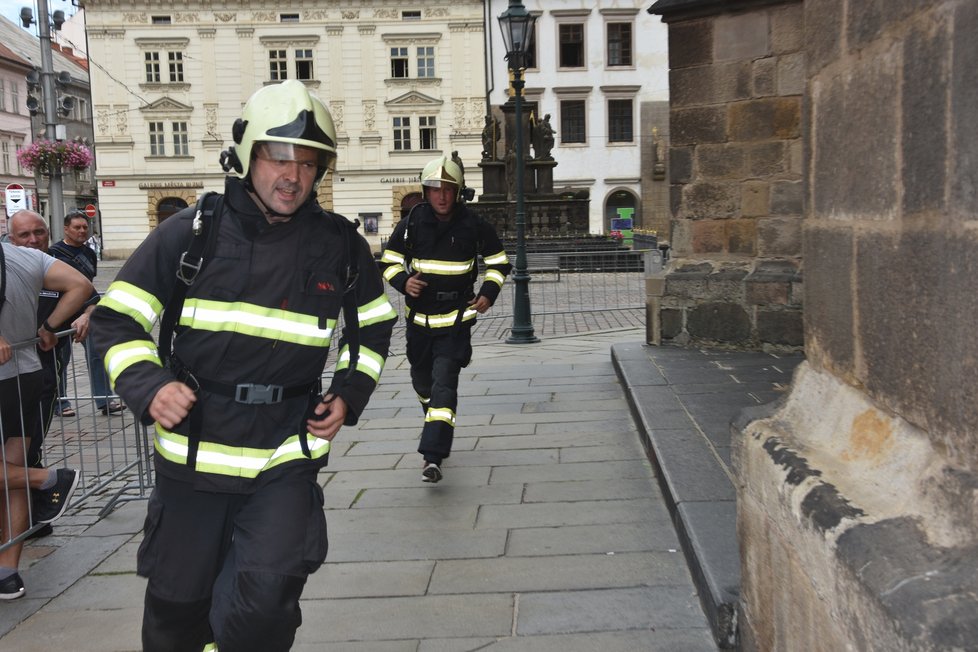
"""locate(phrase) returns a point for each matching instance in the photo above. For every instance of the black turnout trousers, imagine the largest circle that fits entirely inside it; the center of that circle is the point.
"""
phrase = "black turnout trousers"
(230, 568)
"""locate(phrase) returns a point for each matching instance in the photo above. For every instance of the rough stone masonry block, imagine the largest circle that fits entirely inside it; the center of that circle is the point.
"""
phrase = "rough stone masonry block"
(856, 176)
(680, 164)
(709, 84)
(742, 236)
(756, 199)
(763, 77)
(925, 80)
(779, 237)
(698, 125)
(791, 74)
(823, 22)
(690, 43)
(781, 327)
(719, 322)
(829, 295)
(708, 236)
(711, 200)
(964, 118)
(741, 36)
(765, 118)
(787, 198)
(721, 161)
(672, 322)
(787, 28)
(765, 159)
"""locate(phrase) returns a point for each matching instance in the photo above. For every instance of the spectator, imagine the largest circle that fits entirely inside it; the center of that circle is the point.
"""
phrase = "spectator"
(74, 251)
(20, 385)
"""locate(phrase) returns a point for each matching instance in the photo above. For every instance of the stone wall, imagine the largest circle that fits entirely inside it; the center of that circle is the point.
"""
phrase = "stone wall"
(857, 497)
(735, 169)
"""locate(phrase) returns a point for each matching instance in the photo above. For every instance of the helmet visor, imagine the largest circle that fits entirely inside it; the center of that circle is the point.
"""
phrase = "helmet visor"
(276, 152)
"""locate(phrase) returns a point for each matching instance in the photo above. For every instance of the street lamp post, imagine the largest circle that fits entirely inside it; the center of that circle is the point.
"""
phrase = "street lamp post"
(516, 25)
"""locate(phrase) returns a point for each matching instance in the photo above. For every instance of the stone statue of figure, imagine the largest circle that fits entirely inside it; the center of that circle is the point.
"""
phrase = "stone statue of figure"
(458, 161)
(543, 139)
(511, 172)
(490, 136)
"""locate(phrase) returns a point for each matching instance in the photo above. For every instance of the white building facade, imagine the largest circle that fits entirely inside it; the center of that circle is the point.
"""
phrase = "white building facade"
(600, 70)
(404, 84)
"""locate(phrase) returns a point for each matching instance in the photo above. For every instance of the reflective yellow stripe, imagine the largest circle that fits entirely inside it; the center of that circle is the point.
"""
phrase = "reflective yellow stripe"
(496, 259)
(444, 267)
(378, 310)
(368, 362)
(495, 276)
(393, 271)
(440, 414)
(442, 321)
(236, 461)
(121, 356)
(250, 319)
(129, 300)
(391, 256)
(210, 647)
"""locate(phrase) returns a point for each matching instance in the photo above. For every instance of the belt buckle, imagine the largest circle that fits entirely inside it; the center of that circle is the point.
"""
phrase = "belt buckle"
(446, 296)
(253, 394)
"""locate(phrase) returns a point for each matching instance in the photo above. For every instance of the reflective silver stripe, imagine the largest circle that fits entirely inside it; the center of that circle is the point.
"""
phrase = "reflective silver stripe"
(440, 414)
(251, 319)
(496, 259)
(443, 267)
(445, 320)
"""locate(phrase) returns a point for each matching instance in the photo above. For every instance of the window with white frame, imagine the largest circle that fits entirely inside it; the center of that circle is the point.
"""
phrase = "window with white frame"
(619, 44)
(175, 60)
(3, 95)
(278, 65)
(20, 168)
(620, 121)
(157, 146)
(181, 139)
(570, 45)
(426, 61)
(5, 155)
(399, 63)
(15, 97)
(427, 133)
(152, 67)
(573, 121)
(402, 133)
(304, 64)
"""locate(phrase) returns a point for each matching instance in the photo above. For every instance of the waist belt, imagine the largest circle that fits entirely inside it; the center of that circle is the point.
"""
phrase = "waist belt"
(246, 393)
(446, 296)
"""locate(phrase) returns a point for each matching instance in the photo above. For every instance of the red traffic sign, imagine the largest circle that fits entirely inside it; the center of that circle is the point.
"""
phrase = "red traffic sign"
(90, 210)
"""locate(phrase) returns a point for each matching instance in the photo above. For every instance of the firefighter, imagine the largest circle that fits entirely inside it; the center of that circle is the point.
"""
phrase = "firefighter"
(235, 523)
(431, 259)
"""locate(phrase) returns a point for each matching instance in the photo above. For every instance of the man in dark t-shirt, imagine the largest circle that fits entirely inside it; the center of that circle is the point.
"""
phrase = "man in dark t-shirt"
(74, 251)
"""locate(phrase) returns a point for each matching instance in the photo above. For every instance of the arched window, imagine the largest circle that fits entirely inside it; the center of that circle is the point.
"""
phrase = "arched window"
(168, 207)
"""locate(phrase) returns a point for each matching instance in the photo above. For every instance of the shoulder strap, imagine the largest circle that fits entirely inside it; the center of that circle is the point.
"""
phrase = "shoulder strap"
(3, 278)
(192, 261)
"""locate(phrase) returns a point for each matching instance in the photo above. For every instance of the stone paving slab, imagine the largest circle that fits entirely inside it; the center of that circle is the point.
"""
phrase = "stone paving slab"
(548, 533)
(684, 421)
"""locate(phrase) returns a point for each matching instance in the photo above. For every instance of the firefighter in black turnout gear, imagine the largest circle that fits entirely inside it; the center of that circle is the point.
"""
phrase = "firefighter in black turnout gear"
(431, 259)
(235, 524)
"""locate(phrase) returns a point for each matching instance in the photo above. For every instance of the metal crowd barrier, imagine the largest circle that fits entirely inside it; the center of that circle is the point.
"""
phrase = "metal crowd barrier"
(111, 452)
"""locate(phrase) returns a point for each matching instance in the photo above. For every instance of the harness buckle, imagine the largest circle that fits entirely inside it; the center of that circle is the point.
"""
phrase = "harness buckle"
(187, 271)
(252, 394)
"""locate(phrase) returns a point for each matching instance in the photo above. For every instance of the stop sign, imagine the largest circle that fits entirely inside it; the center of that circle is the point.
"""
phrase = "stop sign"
(90, 210)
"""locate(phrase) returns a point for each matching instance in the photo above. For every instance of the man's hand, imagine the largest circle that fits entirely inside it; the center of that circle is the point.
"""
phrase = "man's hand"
(5, 351)
(172, 404)
(81, 324)
(48, 339)
(334, 408)
(481, 304)
(415, 285)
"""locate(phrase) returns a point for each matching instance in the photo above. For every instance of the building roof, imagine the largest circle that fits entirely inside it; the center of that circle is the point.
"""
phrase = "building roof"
(28, 48)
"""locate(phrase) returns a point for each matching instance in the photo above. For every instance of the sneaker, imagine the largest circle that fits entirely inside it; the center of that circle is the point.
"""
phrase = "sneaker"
(431, 473)
(12, 587)
(49, 504)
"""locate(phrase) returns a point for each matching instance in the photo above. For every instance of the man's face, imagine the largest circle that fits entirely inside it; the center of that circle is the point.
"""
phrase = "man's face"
(29, 231)
(283, 175)
(442, 199)
(76, 231)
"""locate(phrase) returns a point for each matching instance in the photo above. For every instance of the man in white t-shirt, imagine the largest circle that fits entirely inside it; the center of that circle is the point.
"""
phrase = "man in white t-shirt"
(23, 272)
